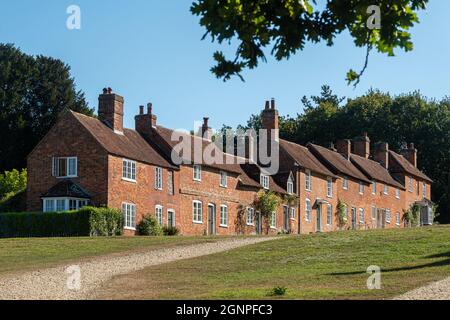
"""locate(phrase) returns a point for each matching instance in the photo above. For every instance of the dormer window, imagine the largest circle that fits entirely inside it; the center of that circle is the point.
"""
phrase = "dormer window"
(65, 167)
(265, 181)
(290, 186)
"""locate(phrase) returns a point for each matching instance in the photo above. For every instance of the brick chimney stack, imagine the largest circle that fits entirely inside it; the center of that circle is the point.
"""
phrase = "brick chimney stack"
(110, 110)
(410, 154)
(381, 154)
(269, 116)
(206, 130)
(344, 147)
(144, 122)
(361, 146)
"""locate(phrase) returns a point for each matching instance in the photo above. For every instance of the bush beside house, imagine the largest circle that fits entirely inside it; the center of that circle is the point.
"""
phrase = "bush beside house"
(88, 221)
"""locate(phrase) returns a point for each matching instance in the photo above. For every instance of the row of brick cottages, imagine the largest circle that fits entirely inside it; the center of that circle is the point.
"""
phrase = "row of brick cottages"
(85, 160)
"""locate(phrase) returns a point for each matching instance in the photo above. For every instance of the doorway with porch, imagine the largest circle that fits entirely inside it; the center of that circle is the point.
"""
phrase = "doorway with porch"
(319, 218)
(211, 219)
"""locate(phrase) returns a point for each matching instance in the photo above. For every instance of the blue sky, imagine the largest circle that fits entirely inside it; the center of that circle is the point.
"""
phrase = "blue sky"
(151, 50)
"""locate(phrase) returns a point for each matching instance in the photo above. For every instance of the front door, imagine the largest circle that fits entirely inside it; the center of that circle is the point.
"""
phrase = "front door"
(258, 223)
(286, 218)
(211, 220)
(171, 218)
(354, 218)
(319, 218)
(379, 219)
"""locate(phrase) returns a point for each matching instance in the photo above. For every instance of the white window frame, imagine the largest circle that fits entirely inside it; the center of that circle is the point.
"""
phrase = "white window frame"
(129, 169)
(329, 187)
(290, 186)
(362, 216)
(159, 214)
(308, 209)
(129, 209)
(374, 187)
(388, 216)
(292, 213)
(345, 183)
(386, 189)
(79, 204)
(273, 220)
(424, 190)
(308, 185)
(55, 167)
(374, 213)
(197, 172)
(410, 184)
(224, 216)
(397, 193)
(361, 188)
(197, 212)
(250, 218)
(264, 180)
(397, 218)
(158, 178)
(223, 179)
(329, 215)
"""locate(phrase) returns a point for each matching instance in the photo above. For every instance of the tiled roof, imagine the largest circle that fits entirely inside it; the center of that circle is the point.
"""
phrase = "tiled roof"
(66, 188)
(130, 144)
(251, 176)
(338, 162)
(295, 153)
(374, 170)
(408, 167)
(164, 138)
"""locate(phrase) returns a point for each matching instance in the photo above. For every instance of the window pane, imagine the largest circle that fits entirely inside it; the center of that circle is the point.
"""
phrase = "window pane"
(62, 167)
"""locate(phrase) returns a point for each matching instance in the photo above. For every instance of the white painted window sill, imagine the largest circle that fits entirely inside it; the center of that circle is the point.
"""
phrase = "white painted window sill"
(197, 222)
(130, 228)
(129, 180)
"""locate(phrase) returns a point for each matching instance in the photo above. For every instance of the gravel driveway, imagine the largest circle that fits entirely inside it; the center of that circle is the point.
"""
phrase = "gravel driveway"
(435, 291)
(54, 283)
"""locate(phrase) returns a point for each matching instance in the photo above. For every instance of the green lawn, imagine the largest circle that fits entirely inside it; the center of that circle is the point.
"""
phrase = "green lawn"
(324, 266)
(18, 255)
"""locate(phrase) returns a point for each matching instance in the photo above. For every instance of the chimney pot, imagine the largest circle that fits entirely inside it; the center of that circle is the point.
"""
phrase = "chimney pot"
(105, 90)
(109, 90)
(141, 110)
(273, 103)
(149, 108)
(267, 107)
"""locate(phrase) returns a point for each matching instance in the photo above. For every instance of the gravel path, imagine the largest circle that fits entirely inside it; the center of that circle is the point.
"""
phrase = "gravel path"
(435, 291)
(53, 283)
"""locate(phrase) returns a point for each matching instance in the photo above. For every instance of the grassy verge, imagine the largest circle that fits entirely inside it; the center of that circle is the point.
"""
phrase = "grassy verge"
(18, 255)
(325, 266)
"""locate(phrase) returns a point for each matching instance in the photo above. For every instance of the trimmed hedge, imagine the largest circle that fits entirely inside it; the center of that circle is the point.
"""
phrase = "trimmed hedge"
(88, 221)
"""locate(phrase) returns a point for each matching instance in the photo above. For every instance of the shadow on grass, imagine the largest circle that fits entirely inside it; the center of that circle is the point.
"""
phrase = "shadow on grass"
(441, 263)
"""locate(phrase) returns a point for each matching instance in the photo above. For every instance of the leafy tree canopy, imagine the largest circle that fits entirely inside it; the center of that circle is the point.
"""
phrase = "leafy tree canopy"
(33, 91)
(285, 27)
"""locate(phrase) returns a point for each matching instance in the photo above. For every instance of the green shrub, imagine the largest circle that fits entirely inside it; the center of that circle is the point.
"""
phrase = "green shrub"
(87, 221)
(11, 182)
(279, 291)
(149, 227)
(170, 231)
(14, 202)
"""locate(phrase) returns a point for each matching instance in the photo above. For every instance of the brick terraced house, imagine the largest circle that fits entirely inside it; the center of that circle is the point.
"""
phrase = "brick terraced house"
(96, 161)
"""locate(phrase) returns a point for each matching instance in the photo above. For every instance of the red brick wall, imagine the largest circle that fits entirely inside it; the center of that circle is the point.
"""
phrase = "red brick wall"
(67, 138)
(142, 193)
(318, 191)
